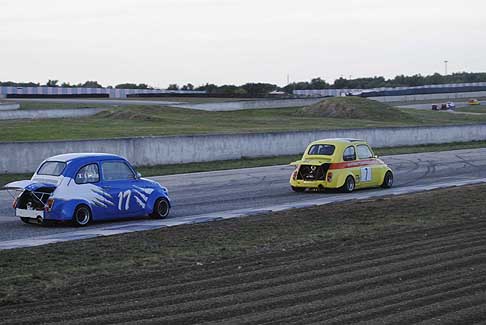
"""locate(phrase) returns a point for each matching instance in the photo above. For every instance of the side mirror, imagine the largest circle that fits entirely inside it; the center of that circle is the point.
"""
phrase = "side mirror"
(138, 175)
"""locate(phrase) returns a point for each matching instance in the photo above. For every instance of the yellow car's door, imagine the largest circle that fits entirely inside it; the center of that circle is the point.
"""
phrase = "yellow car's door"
(351, 164)
(370, 169)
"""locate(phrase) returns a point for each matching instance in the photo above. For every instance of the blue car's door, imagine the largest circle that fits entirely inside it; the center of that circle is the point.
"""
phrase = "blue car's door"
(119, 180)
(89, 183)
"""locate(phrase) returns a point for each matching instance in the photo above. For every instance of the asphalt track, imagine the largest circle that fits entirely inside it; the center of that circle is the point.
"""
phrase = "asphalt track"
(202, 197)
(429, 106)
(221, 106)
(49, 113)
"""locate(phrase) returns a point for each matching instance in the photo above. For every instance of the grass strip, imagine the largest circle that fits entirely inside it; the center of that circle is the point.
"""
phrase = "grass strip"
(156, 120)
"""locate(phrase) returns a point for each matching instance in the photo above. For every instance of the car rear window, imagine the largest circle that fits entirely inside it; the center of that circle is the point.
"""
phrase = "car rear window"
(52, 168)
(322, 150)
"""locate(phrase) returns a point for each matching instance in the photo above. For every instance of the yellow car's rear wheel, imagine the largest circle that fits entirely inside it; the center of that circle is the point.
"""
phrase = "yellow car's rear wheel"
(298, 189)
(349, 185)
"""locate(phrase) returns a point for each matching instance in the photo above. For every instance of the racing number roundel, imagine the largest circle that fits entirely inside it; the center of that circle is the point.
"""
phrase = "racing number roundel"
(366, 174)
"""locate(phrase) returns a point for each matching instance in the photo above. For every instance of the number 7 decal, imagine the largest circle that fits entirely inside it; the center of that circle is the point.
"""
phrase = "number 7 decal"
(365, 174)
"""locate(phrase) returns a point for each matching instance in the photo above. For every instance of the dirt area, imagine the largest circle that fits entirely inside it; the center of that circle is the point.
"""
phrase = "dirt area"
(414, 258)
(355, 108)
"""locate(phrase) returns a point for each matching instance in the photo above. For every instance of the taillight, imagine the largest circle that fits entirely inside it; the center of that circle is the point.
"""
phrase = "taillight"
(14, 203)
(294, 174)
(50, 203)
(329, 177)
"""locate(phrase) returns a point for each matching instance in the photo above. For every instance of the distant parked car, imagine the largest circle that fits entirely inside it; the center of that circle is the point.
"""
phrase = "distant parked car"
(473, 102)
(87, 187)
(345, 164)
(443, 106)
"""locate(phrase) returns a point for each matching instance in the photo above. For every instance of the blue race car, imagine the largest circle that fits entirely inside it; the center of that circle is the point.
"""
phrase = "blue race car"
(85, 187)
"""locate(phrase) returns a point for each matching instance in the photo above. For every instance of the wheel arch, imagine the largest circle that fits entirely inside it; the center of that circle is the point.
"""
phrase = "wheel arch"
(341, 178)
(88, 206)
(149, 207)
(67, 208)
(385, 170)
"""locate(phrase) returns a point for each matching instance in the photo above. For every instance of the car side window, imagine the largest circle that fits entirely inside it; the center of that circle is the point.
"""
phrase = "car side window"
(349, 154)
(88, 174)
(116, 170)
(364, 152)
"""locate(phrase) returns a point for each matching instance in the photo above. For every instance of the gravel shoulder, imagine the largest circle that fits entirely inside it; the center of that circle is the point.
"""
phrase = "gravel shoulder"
(412, 258)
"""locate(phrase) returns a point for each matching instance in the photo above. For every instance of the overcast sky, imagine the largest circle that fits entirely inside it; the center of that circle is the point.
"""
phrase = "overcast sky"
(236, 41)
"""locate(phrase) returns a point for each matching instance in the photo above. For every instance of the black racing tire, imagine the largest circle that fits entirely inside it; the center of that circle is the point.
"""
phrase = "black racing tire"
(349, 185)
(82, 216)
(161, 209)
(25, 220)
(298, 189)
(387, 180)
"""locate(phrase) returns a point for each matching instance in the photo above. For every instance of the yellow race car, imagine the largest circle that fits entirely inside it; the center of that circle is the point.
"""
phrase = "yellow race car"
(345, 164)
(473, 102)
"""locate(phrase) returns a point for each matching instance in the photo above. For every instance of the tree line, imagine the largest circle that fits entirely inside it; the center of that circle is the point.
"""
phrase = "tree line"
(397, 81)
(263, 89)
(87, 84)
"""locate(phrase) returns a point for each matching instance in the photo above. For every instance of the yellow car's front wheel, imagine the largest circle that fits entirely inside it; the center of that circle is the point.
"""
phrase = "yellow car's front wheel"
(387, 180)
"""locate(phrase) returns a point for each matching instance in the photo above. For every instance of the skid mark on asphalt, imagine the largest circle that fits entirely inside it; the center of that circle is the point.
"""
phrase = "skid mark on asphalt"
(466, 162)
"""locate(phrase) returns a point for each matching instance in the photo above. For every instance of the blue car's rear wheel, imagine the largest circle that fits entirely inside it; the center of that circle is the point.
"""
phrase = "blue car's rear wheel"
(161, 209)
(82, 216)
(25, 220)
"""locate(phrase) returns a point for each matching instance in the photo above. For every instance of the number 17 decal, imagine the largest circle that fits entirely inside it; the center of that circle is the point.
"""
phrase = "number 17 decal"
(123, 195)
(365, 174)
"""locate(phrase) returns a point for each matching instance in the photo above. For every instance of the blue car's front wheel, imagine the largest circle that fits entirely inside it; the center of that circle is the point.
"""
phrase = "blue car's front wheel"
(82, 216)
(161, 209)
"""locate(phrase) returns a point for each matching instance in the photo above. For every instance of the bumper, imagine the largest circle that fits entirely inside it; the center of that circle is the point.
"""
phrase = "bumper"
(35, 214)
(31, 214)
(310, 184)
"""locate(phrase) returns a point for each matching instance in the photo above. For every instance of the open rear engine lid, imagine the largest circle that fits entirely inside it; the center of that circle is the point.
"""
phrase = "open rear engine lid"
(312, 162)
(28, 185)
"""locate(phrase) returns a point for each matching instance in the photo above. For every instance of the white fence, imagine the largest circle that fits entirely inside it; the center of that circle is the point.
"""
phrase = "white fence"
(80, 91)
(340, 92)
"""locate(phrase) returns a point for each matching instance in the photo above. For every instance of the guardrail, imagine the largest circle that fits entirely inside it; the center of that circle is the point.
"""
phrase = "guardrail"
(9, 106)
(438, 97)
(22, 157)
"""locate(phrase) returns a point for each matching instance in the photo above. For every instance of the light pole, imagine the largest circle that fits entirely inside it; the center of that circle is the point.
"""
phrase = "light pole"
(445, 66)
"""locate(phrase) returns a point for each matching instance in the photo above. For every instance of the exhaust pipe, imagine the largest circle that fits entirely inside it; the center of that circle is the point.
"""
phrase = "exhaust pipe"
(40, 220)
